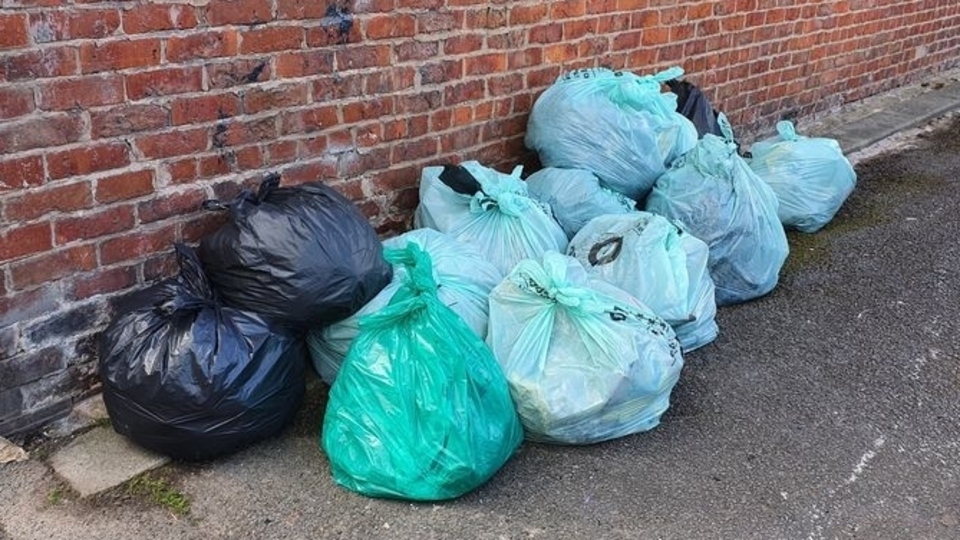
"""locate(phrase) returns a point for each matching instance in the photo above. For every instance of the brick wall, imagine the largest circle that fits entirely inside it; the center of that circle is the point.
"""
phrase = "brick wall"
(118, 117)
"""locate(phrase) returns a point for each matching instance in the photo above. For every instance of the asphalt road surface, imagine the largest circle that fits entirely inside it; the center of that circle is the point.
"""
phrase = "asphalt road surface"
(828, 409)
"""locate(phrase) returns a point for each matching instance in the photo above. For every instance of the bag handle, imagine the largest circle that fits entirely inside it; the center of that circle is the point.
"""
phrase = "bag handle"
(268, 185)
(787, 131)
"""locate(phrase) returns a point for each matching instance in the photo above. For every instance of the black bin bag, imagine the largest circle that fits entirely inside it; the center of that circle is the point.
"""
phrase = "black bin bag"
(303, 256)
(693, 104)
(186, 377)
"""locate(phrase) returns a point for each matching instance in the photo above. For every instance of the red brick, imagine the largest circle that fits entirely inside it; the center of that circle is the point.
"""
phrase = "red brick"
(66, 24)
(367, 109)
(87, 159)
(15, 102)
(391, 25)
(182, 171)
(280, 152)
(363, 56)
(240, 132)
(203, 225)
(142, 18)
(127, 119)
(16, 242)
(300, 9)
(389, 81)
(174, 143)
(164, 82)
(238, 72)
(510, 40)
(13, 30)
(160, 266)
(119, 54)
(51, 266)
(462, 44)
(488, 17)
(425, 100)
(204, 108)
(527, 14)
(531, 56)
(34, 64)
(302, 64)
(83, 92)
(215, 165)
(485, 64)
(271, 39)
(174, 204)
(463, 92)
(21, 172)
(416, 149)
(441, 72)
(261, 99)
(208, 44)
(546, 33)
(417, 50)
(109, 221)
(248, 158)
(340, 86)
(137, 244)
(128, 185)
(567, 9)
(505, 85)
(309, 120)
(655, 36)
(48, 131)
(223, 12)
(37, 202)
(103, 281)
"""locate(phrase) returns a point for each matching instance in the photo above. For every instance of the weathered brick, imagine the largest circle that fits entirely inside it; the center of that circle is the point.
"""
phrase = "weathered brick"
(485, 64)
(26, 421)
(112, 220)
(62, 325)
(205, 108)
(13, 31)
(201, 226)
(15, 102)
(51, 266)
(462, 44)
(225, 12)
(240, 132)
(66, 24)
(119, 54)
(128, 185)
(9, 345)
(304, 63)
(137, 244)
(164, 82)
(174, 143)
(87, 159)
(271, 39)
(441, 72)
(238, 72)
(214, 165)
(463, 92)
(127, 119)
(336, 27)
(37, 202)
(160, 266)
(417, 50)
(83, 92)
(437, 21)
(389, 80)
(257, 100)
(21, 172)
(37, 64)
(162, 207)
(367, 109)
(142, 18)
(16, 242)
(102, 281)
(337, 87)
(46, 131)
(363, 56)
(300, 9)
(206, 44)
(309, 120)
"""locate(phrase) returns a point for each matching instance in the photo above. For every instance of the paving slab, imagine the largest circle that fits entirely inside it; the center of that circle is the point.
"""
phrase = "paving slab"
(86, 413)
(101, 459)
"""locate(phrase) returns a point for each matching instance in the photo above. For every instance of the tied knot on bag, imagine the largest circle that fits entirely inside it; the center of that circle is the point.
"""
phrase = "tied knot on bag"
(511, 204)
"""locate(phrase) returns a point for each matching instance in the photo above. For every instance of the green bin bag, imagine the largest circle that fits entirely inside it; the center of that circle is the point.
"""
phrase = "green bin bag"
(420, 409)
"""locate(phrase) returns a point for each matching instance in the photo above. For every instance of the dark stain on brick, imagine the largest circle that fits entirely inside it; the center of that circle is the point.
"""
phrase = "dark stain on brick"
(338, 19)
(220, 135)
(255, 72)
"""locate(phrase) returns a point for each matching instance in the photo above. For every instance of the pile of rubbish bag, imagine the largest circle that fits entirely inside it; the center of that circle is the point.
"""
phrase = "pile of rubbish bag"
(554, 308)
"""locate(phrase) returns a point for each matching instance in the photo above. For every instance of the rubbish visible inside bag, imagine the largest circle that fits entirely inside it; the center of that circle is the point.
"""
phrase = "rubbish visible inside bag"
(420, 409)
(715, 195)
(586, 361)
(303, 256)
(657, 262)
(186, 377)
(694, 105)
(810, 176)
(501, 220)
(615, 124)
(576, 196)
(464, 280)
